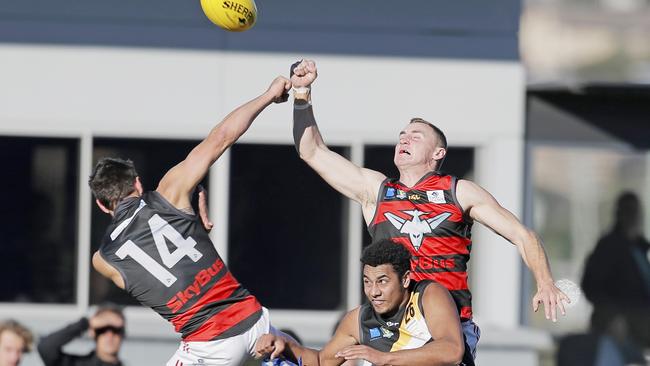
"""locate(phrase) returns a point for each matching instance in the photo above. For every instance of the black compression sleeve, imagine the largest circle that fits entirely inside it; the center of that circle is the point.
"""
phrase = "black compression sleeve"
(303, 117)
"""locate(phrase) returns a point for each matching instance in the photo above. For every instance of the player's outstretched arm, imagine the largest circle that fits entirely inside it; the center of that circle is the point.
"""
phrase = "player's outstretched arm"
(180, 181)
(484, 208)
(447, 347)
(354, 182)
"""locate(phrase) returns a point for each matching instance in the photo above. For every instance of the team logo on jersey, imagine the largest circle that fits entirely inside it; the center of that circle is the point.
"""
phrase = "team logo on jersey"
(374, 333)
(437, 196)
(416, 228)
(386, 333)
(401, 194)
(414, 197)
(390, 193)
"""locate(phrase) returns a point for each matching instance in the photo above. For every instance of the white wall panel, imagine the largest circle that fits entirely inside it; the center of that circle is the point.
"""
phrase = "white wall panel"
(165, 93)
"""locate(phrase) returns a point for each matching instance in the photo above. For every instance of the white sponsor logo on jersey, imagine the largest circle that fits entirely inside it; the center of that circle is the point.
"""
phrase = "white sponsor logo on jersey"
(437, 196)
(416, 227)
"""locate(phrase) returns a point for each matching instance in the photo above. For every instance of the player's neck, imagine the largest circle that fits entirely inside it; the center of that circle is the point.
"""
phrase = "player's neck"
(410, 176)
(135, 194)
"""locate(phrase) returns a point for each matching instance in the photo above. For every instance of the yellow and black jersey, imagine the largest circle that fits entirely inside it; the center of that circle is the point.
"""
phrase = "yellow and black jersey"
(406, 329)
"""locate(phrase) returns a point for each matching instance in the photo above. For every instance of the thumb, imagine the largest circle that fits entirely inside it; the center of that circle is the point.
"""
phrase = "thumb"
(535, 303)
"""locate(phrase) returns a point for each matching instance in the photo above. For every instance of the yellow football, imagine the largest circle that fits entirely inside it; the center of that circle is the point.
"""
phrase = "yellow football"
(231, 15)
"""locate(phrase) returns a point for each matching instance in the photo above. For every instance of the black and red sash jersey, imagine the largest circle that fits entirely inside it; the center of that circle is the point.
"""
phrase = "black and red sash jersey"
(429, 222)
(169, 264)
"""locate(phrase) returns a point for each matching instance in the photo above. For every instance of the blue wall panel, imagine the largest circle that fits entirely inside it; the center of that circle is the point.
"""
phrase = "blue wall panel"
(422, 28)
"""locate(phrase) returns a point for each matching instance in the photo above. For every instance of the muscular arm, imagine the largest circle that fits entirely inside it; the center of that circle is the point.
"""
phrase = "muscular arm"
(442, 320)
(356, 183)
(50, 346)
(347, 334)
(180, 181)
(482, 207)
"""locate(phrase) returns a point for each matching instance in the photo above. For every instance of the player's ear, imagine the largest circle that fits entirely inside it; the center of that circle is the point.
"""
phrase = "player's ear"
(439, 153)
(102, 207)
(406, 279)
(138, 185)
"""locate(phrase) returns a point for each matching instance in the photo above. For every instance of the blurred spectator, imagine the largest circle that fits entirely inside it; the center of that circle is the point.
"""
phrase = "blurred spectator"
(15, 339)
(106, 327)
(617, 275)
(617, 282)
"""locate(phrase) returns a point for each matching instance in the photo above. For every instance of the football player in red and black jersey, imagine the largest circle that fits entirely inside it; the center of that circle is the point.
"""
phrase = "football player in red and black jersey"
(157, 249)
(428, 212)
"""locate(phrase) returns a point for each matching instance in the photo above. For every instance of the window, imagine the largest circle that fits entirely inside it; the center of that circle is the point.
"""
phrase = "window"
(39, 219)
(286, 229)
(152, 159)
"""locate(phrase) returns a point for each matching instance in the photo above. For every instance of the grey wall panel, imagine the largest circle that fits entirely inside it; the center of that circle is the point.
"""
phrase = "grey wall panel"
(427, 28)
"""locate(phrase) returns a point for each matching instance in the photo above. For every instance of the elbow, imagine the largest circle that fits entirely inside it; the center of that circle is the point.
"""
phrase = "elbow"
(529, 236)
(46, 352)
(307, 154)
(221, 136)
(524, 238)
(456, 353)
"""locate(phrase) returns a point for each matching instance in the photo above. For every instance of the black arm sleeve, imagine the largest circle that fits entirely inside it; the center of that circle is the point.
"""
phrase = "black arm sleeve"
(303, 117)
(49, 347)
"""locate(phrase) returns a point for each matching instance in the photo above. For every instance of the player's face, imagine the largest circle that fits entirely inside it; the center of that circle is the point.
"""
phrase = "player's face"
(384, 289)
(11, 348)
(417, 145)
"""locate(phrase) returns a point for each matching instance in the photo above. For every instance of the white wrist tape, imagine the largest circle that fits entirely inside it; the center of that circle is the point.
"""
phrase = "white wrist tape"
(301, 90)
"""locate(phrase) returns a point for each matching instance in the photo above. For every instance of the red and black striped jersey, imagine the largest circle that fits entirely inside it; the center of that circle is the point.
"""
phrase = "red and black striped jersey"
(169, 264)
(429, 222)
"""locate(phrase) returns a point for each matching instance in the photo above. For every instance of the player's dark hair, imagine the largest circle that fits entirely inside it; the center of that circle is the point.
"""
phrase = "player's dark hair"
(112, 180)
(387, 252)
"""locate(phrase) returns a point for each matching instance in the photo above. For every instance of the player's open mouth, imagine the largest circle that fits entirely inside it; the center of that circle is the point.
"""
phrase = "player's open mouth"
(404, 152)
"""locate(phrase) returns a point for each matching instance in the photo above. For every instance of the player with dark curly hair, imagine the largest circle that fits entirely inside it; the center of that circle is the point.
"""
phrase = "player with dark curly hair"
(403, 323)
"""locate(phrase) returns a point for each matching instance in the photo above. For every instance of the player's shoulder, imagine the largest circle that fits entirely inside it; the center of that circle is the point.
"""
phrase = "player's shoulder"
(469, 194)
(466, 184)
(349, 323)
(352, 315)
(432, 290)
(373, 177)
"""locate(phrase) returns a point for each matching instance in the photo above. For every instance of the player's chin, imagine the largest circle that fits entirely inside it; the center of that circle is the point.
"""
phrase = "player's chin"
(380, 308)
